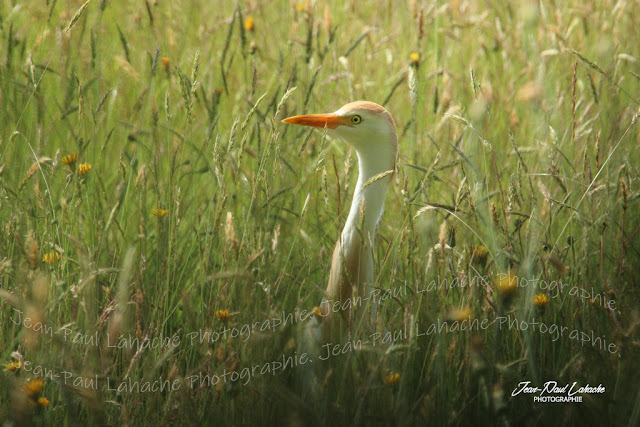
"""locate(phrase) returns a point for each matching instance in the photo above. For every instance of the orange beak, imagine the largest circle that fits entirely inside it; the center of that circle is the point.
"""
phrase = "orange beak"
(330, 121)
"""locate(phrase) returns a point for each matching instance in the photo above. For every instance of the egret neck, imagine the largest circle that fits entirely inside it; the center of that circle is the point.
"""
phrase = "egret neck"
(368, 203)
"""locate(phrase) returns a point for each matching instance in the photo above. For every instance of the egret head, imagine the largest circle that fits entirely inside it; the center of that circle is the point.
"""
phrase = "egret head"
(367, 126)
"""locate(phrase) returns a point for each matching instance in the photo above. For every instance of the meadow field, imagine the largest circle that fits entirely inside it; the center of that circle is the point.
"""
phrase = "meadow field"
(164, 238)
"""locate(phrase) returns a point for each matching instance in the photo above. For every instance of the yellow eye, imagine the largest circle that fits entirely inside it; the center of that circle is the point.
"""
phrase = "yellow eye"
(356, 119)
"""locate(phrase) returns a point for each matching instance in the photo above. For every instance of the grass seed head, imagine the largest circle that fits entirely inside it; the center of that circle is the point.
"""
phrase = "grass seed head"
(33, 250)
(230, 232)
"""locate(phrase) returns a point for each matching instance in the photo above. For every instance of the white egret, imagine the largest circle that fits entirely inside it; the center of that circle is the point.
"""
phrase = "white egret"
(370, 130)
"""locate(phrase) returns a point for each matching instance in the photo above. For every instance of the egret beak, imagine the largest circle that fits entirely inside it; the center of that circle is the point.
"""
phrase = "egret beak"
(330, 121)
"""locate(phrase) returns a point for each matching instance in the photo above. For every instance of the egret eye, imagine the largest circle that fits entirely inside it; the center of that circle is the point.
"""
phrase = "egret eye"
(356, 119)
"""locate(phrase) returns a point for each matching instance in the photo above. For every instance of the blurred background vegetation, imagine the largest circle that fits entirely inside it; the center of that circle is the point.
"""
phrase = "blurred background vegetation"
(149, 190)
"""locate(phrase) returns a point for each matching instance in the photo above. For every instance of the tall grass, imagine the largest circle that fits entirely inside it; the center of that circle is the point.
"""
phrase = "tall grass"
(518, 138)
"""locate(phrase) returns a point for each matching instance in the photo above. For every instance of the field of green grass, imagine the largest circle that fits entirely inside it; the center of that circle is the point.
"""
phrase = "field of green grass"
(164, 237)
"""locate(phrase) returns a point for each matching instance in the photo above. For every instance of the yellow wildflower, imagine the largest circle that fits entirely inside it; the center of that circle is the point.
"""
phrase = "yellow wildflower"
(249, 23)
(479, 254)
(222, 314)
(507, 283)
(51, 257)
(166, 63)
(317, 311)
(415, 58)
(159, 212)
(392, 379)
(70, 159)
(84, 168)
(43, 401)
(34, 387)
(541, 300)
(459, 314)
(12, 366)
